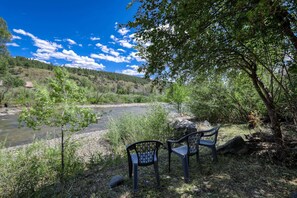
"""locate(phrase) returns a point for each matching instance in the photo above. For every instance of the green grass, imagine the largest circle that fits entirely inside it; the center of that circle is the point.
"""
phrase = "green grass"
(25, 170)
(129, 128)
(231, 176)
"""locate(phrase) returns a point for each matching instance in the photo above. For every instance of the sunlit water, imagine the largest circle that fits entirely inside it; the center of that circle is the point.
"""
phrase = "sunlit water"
(13, 135)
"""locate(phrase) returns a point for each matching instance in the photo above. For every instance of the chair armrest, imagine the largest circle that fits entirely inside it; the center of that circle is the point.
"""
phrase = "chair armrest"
(172, 141)
(128, 147)
(210, 132)
(184, 138)
(132, 146)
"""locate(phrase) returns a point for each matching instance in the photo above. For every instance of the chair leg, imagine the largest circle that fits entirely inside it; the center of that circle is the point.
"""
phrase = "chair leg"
(188, 160)
(130, 168)
(186, 168)
(135, 178)
(157, 173)
(214, 154)
(169, 160)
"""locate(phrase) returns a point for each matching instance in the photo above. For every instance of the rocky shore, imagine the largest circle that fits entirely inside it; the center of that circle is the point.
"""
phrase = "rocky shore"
(90, 142)
(9, 110)
(14, 110)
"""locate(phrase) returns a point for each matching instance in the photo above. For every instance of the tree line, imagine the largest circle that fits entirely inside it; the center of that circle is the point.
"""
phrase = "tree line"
(220, 40)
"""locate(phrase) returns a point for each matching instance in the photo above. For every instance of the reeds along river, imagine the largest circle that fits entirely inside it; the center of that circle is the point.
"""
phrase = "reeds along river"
(13, 135)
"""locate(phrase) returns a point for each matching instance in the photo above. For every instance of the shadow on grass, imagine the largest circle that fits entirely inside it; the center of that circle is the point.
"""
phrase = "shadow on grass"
(232, 176)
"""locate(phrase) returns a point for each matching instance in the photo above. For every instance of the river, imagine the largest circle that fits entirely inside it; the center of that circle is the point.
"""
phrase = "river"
(12, 135)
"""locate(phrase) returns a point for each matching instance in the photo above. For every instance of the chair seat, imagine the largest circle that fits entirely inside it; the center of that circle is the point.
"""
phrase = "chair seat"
(182, 150)
(207, 142)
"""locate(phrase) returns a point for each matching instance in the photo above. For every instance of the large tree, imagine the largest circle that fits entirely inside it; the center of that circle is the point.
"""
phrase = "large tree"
(5, 37)
(191, 37)
(7, 80)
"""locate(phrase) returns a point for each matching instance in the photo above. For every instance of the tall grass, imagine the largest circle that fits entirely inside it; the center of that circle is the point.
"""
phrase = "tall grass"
(131, 128)
(24, 171)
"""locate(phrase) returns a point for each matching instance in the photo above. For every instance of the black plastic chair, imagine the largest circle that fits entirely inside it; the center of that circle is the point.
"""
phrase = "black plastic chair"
(143, 153)
(189, 147)
(209, 139)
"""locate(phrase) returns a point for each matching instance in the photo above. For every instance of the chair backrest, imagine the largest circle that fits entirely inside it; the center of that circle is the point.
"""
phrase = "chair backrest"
(146, 151)
(192, 142)
(211, 133)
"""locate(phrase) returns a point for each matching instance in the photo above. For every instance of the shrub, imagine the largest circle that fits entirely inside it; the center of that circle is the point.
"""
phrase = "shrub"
(130, 128)
(26, 170)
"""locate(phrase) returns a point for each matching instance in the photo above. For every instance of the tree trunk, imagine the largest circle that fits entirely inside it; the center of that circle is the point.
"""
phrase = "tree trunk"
(269, 104)
(275, 123)
(62, 157)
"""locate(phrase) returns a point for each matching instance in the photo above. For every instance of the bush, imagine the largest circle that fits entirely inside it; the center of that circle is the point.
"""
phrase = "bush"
(110, 98)
(130, 128)
(26, 170)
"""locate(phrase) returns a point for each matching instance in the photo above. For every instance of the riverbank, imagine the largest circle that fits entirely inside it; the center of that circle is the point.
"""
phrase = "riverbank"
(90, 143)
(91, 139)
(12, 135)
(4, 111)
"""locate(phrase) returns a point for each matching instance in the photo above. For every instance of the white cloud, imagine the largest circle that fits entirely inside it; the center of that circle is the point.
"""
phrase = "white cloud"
(70, 41)
(135, 56)
(12, 44)
(50, 50)
(95, 38)
(132, 36)
(58, 40)
(116, 25)
(15, 37)
(74, 59)
(80, 45)
(122, 42)
(121, 50)
(132, 71)
(103, 48)
(125, 43)
(107, 50)
(116, 59)
(43, 45)
(40, 60)
(114, 53)
(20, 31)
(123, 31)
(114, 38)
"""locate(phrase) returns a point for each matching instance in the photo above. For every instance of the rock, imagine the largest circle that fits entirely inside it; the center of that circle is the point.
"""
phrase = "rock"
(116, 181)
(204, 125)
(234, 146)
(182, 127)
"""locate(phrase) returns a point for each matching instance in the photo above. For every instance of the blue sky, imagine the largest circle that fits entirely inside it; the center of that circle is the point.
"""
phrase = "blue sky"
(74, 33)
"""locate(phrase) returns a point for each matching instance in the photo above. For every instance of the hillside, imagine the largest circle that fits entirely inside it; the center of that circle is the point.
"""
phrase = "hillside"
(100, 86)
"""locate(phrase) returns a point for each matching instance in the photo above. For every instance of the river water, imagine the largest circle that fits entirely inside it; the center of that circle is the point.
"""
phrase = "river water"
(12, 135)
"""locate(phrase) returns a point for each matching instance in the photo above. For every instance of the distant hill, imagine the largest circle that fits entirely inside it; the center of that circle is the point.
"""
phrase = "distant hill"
(99, 81)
